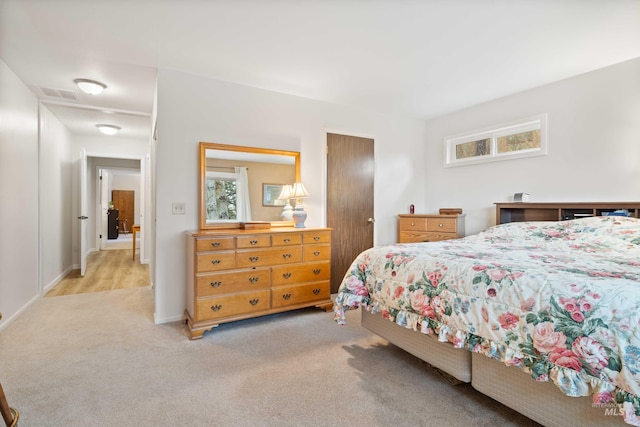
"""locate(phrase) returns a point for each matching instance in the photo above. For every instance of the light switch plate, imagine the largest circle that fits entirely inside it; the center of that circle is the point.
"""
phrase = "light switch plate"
(177, 208)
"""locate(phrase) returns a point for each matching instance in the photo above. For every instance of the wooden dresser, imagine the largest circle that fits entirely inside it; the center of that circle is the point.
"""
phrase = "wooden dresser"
(236, 274)
(413, 228)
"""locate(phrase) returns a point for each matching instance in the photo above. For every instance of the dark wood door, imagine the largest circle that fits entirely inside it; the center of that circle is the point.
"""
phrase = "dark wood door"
(350, 168)
(123, 200)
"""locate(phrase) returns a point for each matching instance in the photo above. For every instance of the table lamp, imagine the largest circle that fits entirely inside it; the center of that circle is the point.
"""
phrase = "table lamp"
(285, 196)
(299, 215)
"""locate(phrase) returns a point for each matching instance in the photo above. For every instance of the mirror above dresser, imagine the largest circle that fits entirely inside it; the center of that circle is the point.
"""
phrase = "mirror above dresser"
(241, 184)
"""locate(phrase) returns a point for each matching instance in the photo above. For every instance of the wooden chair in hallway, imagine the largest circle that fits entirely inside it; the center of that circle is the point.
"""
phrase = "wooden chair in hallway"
(9, 415)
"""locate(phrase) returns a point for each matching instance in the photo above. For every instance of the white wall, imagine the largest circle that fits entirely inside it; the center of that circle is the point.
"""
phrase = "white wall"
(19, 195)
(55, 199)
(193, 109)
(594, 147)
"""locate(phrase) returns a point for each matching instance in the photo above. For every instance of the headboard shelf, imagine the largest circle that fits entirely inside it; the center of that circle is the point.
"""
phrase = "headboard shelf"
(519, 212)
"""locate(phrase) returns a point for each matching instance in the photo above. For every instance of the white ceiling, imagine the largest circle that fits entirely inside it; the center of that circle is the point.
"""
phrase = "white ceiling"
(406, 57)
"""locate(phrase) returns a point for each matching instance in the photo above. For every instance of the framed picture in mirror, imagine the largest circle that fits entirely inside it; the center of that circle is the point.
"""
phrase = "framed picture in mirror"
(270, 194)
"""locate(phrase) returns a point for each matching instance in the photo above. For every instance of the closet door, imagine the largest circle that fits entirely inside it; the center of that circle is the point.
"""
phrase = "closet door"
(350, 188)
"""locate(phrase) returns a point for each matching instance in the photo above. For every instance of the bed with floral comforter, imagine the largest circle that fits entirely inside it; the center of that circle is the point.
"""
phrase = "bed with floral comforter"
(560, 300)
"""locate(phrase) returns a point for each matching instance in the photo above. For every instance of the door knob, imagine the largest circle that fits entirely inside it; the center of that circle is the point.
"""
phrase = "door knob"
(371, 220)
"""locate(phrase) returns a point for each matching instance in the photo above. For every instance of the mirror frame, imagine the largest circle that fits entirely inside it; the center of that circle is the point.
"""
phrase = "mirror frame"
(204, 146)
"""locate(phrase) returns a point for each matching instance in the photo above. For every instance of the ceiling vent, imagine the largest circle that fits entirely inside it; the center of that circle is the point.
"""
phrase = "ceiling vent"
(58, 93)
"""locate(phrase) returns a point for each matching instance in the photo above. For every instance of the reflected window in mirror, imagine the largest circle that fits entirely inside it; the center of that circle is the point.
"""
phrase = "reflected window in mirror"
(220, 197)
(228, 195)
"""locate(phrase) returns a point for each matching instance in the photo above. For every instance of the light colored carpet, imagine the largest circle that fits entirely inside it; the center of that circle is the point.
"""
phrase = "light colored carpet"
(98, 360)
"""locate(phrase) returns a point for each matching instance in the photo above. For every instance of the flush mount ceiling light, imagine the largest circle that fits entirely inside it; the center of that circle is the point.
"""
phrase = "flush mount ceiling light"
(108, 129)
(92, 87)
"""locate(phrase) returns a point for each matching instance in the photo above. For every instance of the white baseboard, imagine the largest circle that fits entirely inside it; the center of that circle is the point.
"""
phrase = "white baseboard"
(7, 321)
(57, 280)
(160, 320)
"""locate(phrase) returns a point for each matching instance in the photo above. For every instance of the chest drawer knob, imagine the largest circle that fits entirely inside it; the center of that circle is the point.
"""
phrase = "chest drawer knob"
(441, 225)
(215, 261)
(316, 238)
(215, 284)
(286, 275)
(316, 291)
(413, 224)
(254, 279)
(286, 296)
(254, 301)
(254, 258)
(287, 240)
(215, 244)
(216, 307)
(316, 253)
(316, 271)
(253, 242)
(286, 256)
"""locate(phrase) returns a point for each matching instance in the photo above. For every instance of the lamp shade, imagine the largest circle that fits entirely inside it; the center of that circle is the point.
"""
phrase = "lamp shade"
(286, 192)
(299, 191)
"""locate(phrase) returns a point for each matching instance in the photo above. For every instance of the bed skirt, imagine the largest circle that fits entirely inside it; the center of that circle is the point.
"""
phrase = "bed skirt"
(543, 402)
(453, 361)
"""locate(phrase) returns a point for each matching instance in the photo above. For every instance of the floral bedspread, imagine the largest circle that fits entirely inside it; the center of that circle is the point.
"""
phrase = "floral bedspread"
(560, 300)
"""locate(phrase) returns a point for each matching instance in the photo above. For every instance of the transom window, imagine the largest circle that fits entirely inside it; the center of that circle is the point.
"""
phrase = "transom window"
(523, 138)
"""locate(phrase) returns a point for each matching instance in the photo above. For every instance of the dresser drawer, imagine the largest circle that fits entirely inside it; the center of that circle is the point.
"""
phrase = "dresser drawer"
(413, 224)
(316, 252)
(318, 236)
(214, 261)
(214, 244)
(425, 236)
(301, 273)
(232, 282)
(286, 239)
(254, 241)
(271, 256)
(232, 305)
(291, 295)
(442, 224)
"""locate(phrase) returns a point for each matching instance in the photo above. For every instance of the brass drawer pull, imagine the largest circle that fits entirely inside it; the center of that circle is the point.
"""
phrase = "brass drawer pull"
(316, 271)
(286, 275)
(286, 296)
(253, 242)
(254, 258)
(215, 284)
(216, 307)
(215, 261)
(286, 256)
(254, 301)
(316, 253)
(287, 240)
(254, 279)
(316, 238)
(316, 291)
(215, 244)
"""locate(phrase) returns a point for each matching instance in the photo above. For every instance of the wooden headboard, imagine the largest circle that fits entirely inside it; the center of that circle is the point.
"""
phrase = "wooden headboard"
(518, 212)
